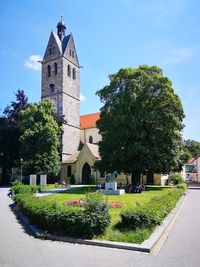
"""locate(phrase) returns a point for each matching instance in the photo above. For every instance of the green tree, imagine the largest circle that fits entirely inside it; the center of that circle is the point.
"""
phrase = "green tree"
(10, 133)
(40, 139)
(140, 123)
(192, 147)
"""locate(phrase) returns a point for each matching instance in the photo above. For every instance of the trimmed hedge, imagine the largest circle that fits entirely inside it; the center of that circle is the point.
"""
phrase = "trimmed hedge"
(152, 213)
(68, 220)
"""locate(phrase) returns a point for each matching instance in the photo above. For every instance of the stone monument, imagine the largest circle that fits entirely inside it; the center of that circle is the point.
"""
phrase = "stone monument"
(33, 179)
(43, 180)
(111, 185)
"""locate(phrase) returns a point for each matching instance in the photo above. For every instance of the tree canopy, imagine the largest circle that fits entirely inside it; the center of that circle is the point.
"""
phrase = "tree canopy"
(40, 139)
(192, 147)
(10, 133)
(140, 122)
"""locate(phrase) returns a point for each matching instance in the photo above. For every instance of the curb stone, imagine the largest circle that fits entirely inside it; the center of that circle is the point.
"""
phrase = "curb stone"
(146, 246)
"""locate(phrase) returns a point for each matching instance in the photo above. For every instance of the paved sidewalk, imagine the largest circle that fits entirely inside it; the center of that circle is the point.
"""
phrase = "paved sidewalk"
(57, 190)
(20, 248)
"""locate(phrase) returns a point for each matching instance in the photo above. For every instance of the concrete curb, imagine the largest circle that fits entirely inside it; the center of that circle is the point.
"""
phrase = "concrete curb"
(149, 245)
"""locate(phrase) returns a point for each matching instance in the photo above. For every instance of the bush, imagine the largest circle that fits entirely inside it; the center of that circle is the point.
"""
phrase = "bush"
(175, 178)
(73, 221)
(16, 182)
(152, 213)
(182, 186)
(25, 189)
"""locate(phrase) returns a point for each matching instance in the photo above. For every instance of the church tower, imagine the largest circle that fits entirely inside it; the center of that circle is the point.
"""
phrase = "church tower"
(61, 84)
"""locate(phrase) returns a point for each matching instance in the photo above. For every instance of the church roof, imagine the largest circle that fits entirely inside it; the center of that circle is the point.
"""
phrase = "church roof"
(89, 120)
(94, 150)
(72, 158)
(65, 42)
(57, 41)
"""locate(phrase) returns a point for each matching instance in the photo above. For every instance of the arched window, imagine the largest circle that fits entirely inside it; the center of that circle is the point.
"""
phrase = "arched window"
(68, 71)
(72, 53)
(55, 68)
(52, 88)
(90, 139)
(74, 74)
(49, 70)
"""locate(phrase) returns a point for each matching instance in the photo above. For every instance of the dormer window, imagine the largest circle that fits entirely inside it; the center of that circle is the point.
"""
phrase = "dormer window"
(74, 74)
(68, 71)
(49, 71)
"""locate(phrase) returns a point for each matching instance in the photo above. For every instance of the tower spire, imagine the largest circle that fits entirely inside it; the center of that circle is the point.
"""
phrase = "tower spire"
(61, 28)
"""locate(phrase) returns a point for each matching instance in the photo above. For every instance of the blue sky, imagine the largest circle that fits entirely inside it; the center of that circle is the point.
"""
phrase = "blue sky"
(109, 34)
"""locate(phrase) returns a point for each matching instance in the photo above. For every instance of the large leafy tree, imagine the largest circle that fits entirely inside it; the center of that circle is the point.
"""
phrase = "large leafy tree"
(192, 147)
(10, 133)
(40, 139)
(140, 123)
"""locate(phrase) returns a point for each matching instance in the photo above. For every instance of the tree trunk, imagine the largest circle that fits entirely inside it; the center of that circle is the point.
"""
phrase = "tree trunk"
(135, 177)
(150, 178)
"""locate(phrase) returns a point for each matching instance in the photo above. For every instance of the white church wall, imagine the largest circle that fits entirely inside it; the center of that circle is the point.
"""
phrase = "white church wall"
(86, 133)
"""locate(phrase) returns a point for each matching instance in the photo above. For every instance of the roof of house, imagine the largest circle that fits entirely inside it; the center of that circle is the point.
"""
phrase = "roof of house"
(72, 158)
(89, 120)
(94, 150)
(191, 160)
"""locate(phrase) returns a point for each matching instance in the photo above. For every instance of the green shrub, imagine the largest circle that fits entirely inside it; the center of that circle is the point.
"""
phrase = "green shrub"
(64, 219)
(152, 213)
(93, 201)
(175, 178)
(16, 182)
(25, 189)
(182, 186)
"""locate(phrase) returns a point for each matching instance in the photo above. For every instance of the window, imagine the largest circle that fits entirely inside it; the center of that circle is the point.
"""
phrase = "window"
(69, 171)
(49, 70)
(55, 68)
(50, 51)
(53, 50)
(72, 53)
(52, 88)
(74, 74)
(90, 139)
(68, 71)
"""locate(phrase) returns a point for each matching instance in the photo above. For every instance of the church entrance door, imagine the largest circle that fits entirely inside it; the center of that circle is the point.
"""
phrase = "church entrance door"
(86, 172)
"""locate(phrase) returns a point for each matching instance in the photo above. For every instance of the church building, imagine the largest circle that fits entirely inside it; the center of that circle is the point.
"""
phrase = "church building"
(61, 84)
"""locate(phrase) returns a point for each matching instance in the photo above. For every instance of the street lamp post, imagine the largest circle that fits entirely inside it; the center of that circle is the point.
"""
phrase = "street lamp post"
(21, 161)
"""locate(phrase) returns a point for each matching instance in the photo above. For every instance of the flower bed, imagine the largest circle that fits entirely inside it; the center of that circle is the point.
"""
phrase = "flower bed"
(79, 203)
(115, 204)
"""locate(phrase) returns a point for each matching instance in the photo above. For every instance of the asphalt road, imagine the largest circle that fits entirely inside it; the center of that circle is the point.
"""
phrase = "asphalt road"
(19, 248)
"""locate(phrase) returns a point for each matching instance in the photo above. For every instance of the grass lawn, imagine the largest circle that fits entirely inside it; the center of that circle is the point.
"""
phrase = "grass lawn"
(128, 200)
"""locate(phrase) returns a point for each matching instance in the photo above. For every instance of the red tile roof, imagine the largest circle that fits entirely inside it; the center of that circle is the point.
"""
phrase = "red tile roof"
(89, 120)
